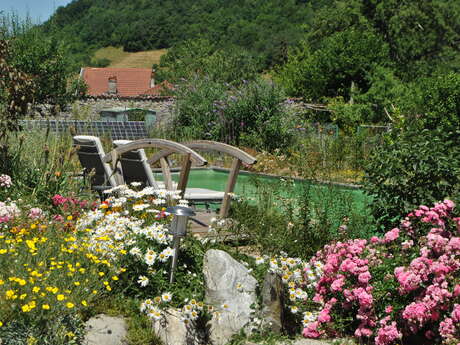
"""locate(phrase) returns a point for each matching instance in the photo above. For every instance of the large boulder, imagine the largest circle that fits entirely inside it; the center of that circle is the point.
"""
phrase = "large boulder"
(173, 331)
(273, 302)
(105, 330)
(229, 284)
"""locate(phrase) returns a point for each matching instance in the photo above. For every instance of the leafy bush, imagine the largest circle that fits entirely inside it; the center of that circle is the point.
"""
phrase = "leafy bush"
(249, 114)
(419, 162)
(412, 167)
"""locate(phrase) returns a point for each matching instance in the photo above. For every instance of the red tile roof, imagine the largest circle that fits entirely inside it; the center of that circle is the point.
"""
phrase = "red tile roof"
(131, 82)
(160, 89)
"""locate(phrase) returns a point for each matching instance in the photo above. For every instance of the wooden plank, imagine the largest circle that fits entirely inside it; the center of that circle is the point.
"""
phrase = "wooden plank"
(166, 174)
(235, 169)
(185, 172)
(156, 143)
(207, 145)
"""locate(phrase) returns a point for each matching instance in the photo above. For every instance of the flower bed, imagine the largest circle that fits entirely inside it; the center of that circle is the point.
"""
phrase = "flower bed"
(401, 285)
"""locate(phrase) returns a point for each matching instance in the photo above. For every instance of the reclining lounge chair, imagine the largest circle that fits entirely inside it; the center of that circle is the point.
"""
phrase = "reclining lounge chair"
(90, 153)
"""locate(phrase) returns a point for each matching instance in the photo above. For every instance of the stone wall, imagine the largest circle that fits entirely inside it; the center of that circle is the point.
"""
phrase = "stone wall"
(89, 108)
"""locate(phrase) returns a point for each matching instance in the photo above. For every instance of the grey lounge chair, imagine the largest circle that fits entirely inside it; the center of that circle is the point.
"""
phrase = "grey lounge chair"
(134, 166)
(90, 153)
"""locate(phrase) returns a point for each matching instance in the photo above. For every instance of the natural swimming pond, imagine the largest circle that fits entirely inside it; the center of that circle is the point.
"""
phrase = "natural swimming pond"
(250, 185)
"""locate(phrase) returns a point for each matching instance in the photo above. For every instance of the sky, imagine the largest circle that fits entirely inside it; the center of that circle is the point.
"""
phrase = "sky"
(38, 10)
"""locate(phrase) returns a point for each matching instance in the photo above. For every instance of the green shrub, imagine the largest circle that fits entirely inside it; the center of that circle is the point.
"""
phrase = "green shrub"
(249, 114)
(412, 167)
(419, 162)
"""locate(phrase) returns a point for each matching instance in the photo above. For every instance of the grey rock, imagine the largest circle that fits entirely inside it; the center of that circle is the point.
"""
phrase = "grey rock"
(273, 302)
(228, 282)
(105, 330)
(172, 331)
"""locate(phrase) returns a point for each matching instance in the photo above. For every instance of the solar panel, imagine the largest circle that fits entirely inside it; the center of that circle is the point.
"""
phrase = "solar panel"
(130, 130)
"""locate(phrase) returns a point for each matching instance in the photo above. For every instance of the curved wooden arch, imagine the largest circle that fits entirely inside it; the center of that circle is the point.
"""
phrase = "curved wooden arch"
(164, 144)
(239, 156)
(208, 145)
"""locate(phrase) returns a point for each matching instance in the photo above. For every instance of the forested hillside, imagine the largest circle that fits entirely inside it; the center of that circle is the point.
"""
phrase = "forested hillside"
(265, 28)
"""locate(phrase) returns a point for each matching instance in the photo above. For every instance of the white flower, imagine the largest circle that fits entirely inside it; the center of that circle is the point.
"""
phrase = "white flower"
(166, 297)
(225, 306)
(259, 260)
(140, 207)
(143, 281)
(135, 184)
(154, 314)
(135, 251)
(294, 309)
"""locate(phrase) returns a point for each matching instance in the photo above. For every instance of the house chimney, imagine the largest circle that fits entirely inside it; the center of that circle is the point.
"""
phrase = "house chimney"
(152, 79)
(112, 85)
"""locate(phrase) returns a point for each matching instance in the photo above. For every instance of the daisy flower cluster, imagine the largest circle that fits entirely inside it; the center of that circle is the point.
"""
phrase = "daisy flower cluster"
(300, 279)
(131, 228)
(191, 310)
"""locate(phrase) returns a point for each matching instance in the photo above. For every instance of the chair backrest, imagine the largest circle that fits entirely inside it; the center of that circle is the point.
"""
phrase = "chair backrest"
(90, 153)
(134, 166)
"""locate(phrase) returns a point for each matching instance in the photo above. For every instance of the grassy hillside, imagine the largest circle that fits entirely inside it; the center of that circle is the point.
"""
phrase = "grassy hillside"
(119, 58)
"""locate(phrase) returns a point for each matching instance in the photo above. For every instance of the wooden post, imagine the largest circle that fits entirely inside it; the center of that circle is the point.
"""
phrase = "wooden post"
(166, 174)
(185, 171)
(116, 171)
(225, 207)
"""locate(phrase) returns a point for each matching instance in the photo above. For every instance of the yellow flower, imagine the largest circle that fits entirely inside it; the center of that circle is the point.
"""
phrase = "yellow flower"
(69, 217)
(114, 278)
(25, 308)
(35, 289)
(45, 307)
(69, 305)
(60, 297)
(10, 294)
(1, 324)
(77, 283)
(84, 303)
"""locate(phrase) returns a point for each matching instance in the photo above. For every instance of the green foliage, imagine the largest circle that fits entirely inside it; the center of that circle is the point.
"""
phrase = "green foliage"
(343, 58)
(299, 218)
(103, 62)
(249, 114)
(419, 162)
(265, 28)
(440, 98)
(201, 57)
(59, 330)
(411, 168)
(376, 54)
(41, 165)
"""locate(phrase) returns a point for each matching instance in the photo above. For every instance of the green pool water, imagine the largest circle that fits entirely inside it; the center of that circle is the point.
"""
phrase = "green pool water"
(250, 185)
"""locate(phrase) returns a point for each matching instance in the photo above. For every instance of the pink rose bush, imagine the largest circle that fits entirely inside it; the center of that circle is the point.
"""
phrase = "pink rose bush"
(405, 284)
(65, 206)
